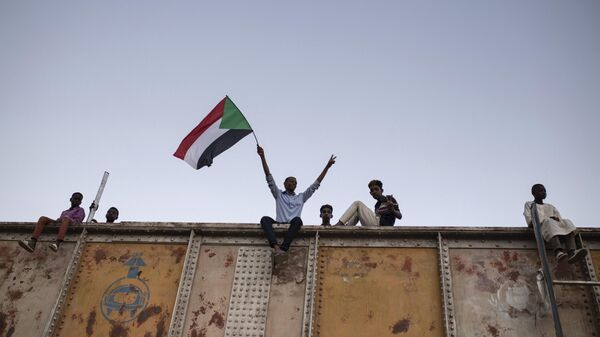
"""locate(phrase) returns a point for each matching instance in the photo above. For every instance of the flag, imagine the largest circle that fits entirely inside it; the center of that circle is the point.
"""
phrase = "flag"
(221, 129)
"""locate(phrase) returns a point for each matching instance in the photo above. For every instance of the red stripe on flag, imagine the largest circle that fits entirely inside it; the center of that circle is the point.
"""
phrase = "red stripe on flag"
(213, 116)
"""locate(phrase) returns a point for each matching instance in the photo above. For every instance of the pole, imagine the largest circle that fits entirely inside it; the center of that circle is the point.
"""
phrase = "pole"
(546, 269)
(98, 196)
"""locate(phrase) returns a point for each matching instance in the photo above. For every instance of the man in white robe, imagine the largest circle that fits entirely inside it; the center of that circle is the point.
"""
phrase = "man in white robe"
(559, 233)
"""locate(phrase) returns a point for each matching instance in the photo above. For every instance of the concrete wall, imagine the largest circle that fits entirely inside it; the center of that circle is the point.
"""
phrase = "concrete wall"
(220, 280)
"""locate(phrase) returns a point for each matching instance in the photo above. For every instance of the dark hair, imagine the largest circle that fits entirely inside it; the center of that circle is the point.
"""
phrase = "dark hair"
(326, 206)
(375, 182)
(81, 194)
(536, 186)
(116, 210)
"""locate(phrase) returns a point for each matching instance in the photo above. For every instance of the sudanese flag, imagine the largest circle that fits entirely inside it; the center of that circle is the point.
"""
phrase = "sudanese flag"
(221, 129)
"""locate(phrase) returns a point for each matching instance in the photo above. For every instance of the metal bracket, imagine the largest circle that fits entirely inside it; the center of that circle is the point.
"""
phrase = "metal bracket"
(185, 286)
(591, 274)
(247, 315)
(58, 308)
(446, 280)
(311, 272)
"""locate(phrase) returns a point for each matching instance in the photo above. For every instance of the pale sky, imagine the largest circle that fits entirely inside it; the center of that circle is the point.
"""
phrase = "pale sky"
(457, 106)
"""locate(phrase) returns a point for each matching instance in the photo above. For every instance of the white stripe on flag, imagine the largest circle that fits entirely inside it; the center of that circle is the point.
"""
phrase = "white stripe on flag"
(208, 137)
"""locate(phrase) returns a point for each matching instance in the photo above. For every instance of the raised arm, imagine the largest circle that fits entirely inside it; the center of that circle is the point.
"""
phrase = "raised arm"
(329, 164)
(263, 160)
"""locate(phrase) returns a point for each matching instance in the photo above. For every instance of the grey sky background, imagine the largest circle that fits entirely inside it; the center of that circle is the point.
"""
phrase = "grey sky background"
(457, 106)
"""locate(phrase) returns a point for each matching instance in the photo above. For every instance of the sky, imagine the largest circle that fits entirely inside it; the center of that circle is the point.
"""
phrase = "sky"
(457, 106)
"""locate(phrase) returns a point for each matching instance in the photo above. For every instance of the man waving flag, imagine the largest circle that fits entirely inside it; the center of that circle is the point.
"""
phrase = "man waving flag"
(221, 129)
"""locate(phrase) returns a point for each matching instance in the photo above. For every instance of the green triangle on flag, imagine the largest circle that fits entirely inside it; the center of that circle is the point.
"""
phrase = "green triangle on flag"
(233, 118)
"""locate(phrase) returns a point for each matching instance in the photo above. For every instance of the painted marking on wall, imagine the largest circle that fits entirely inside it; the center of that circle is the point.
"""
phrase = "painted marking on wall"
(123, 290)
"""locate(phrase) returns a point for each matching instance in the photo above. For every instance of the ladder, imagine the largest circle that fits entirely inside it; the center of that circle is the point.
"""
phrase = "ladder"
(547, 275)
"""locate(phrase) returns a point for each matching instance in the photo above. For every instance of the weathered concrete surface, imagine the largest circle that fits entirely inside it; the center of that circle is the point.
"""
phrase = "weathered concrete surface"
(496, 294)
(209, 298)
(29, 286)
(123, 290)
(378, 292)
(286, 301)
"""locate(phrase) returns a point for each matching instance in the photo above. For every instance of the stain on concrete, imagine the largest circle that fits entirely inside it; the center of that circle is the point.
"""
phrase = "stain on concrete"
(211, 254)
(366, 261)
(195, 319)
(91, 321)
(160, 328)
(201, 333)
(179, 253)
(507, 256)
(483, 283)
(500, 267)
(203, 301)
(217, 319)
(147, 313)
(514, 275)
(460, 265)
(371, 265)
(432, 326)
(118, 330)
(492, 330)
(229, 260)
(3, 322)
(77, 317)
(100, 255)
(10, 331)
(124, 257)
(15, 294)
(401, 326)
(288, 267)
(148, 334)
(407, 265)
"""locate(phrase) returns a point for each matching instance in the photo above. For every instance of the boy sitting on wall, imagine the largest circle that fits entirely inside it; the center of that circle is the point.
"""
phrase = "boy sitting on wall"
(385, 214)
(559, 233)
(73, 215)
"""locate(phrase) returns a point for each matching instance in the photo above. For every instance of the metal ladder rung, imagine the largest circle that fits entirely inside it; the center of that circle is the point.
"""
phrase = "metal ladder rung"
(576, 283)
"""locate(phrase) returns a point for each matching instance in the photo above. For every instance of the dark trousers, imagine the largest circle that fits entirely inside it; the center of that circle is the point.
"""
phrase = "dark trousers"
(563, 242)
(267, 225)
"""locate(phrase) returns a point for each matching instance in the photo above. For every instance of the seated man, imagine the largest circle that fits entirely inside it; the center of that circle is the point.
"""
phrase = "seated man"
(288, 204)
(385, 214)
(326, 213)
(73, 215)
(559, 233)
(111, 215)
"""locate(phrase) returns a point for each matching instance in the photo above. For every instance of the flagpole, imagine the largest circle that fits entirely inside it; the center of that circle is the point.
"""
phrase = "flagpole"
(246, 119)
(98, 196)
